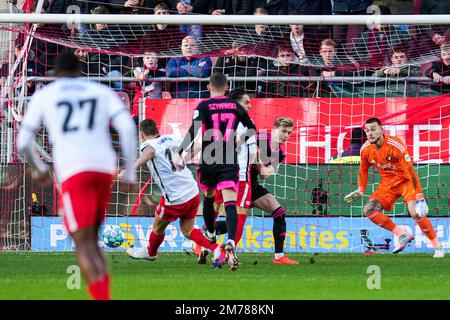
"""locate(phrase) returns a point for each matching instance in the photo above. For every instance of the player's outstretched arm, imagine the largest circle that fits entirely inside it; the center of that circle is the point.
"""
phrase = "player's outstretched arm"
(363, 177)
(25, 141)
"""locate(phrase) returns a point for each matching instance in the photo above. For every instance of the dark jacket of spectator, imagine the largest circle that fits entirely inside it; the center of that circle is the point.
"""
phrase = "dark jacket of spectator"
(373, 47)
(435, 7)
(243, 66)
(112, 36)
(350, 6)
(60, 6)
(231, 6)
(286, 88)
(274, 7)
(421, 42)
(325, 88)
(438, 67)
(310, 7)
(444, 71)
(189, 67)
(407, 70)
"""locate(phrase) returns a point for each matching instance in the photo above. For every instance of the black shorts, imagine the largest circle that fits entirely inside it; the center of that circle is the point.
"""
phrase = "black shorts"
(258, 191)
(218, 176)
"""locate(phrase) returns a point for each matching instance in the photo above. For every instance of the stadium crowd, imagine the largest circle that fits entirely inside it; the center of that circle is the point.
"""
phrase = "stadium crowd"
(271, 57)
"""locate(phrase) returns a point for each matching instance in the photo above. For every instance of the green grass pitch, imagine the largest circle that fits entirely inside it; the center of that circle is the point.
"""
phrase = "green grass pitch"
(177, 276)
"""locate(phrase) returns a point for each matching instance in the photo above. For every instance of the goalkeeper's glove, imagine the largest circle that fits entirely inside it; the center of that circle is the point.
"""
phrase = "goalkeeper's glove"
(421, 206)
(354, 195)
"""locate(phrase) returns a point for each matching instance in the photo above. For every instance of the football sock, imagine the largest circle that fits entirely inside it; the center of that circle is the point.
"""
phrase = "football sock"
(154, 243)
(209, 213)
(232, 219)
(385, 222)
(240, 226)
(196, 236)
(216, 215)
(279, 228)
(221, 227)
(427, 228)
(279, 255)
(99, 290)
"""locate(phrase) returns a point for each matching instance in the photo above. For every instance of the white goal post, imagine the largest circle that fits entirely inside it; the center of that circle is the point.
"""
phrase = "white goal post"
(226, 19)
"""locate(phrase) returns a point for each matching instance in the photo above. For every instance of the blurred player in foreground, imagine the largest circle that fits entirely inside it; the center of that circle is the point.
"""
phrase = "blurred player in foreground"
(77, 114)
(180, 195)
(398, 179)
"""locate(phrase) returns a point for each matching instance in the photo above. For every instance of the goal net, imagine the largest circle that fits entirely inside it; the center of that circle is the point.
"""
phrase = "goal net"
(328, 82)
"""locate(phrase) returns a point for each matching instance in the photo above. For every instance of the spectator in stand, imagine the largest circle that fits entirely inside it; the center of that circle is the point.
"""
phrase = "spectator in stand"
(439, 34)
(374, 45)
(260, 29)
(265, 39)
(189, 66)
(331, 67)
(440, 70)
(218, 7)
(237, 63)
(163, 35)
(161, 9)
(106, 36)
(304, 44)
(421, 44)
(343, 33)
(286, 66)
(34, 68)
(399, 66)
(273, 7)
(72, 6)
(145, 87)
(46, 52)
(83, 58)
(191, 7)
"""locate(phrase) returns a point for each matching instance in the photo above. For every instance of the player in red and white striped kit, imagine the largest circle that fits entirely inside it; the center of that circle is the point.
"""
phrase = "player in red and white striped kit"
(77, 114)
(180, 195)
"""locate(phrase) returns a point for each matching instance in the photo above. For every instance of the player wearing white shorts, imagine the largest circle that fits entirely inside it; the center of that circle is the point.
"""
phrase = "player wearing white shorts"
(77, 114)
(180, 195)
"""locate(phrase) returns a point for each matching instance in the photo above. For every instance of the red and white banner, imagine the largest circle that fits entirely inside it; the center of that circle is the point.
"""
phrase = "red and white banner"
(323, 126)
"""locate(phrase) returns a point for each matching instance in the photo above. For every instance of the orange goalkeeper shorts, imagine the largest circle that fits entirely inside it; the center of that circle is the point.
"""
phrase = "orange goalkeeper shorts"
(387, 193)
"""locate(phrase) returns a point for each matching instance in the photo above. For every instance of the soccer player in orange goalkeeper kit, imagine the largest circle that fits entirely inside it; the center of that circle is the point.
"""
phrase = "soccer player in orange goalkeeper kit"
(398, 179)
